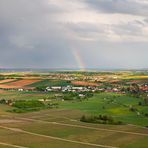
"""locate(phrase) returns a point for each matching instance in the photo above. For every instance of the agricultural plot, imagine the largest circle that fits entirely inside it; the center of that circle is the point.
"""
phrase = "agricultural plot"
(137, 77)
(26, 95)
(84, 83)
(18, 84)
(48, 82)
(6, 81)
(36, 130)
(111, 104)
(116, 105)
(31, 121)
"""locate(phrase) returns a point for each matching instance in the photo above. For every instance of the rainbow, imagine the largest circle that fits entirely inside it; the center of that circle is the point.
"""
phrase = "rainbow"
(78, 59)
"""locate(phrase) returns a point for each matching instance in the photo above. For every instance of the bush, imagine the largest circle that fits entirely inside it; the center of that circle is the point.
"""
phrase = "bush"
(22, 106)
(28, 104)
(41, 88)
(2, 101)
(146, 114)
(133, 109)
(101, 119)
(19, 110)
(140, 103)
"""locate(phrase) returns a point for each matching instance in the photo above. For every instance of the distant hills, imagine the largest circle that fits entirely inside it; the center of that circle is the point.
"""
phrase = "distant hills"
(65, 69)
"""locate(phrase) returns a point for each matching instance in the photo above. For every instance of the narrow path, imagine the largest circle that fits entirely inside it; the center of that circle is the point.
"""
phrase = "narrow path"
(87, 127)
(12, 145)
(56, 138)
(138, 126)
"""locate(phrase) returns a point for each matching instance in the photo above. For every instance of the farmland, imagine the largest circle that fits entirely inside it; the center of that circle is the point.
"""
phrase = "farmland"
(48, 82)
(17, 84)
(6, 81)
(41, 118)
(83, 83)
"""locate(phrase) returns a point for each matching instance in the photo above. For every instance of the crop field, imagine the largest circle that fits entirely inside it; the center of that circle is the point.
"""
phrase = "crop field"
(18, 83)
(48, 82)
(50, 128)
(116, 105)
(51, 119)
(16, 95)
(6, 81)
(54, 127)
(83, 83)
(136, 77)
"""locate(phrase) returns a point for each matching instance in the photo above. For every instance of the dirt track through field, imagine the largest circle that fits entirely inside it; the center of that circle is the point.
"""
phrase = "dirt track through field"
(12, 145)
(56, 138)
(87, 127)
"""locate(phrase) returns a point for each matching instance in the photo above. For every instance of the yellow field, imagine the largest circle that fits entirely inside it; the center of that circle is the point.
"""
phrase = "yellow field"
(136, 77)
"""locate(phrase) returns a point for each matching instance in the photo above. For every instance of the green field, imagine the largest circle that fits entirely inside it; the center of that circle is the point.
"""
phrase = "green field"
(116, 105)
(48, 82)
(40, 119)
(50, 128)
(41, 129)
(16, 95)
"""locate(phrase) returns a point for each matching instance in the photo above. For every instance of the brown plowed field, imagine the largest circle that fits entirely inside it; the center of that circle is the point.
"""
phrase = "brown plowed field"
(7, 80)
(83, 83)
(18, 84)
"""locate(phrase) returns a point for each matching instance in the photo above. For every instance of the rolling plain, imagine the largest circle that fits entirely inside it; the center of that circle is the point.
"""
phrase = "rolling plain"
(45, 110)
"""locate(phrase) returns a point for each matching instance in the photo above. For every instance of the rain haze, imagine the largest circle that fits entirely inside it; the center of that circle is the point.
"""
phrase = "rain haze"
(74, 34)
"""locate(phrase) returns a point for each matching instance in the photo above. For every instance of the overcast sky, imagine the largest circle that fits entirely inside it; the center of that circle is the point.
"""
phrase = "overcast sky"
(74, 34)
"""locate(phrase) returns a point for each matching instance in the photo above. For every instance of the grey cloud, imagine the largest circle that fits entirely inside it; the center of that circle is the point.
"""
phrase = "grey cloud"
(102, 31)
(146, 20)
(119, 55)
(86, 30)
(31, 35)
(132, 7)
(133, 28)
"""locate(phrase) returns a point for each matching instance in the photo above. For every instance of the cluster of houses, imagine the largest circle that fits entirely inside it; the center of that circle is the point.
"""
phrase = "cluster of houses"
(69, 88)
(144, 88)
(80, 89)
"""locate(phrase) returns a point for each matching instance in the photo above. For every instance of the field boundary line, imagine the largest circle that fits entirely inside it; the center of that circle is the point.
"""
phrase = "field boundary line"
(138, 126)
(55, 138)
(87, 127)
(12, 145)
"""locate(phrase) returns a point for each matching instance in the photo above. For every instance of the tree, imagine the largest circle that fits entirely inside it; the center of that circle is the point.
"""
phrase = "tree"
(134, 90)
(145, 99)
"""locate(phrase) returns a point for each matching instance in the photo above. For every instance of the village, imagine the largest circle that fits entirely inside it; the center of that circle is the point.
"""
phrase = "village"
(52, 88)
